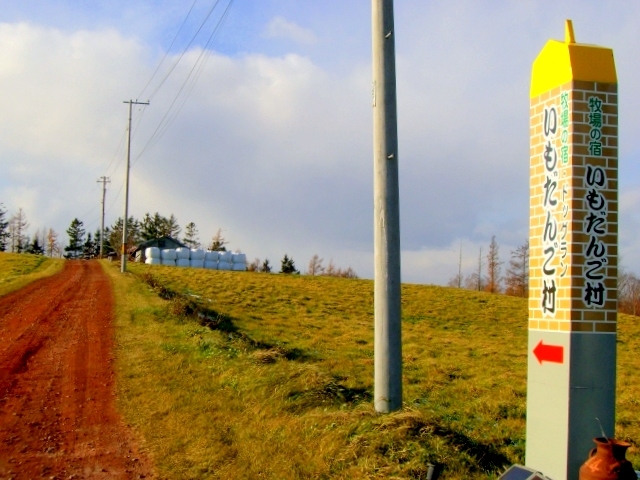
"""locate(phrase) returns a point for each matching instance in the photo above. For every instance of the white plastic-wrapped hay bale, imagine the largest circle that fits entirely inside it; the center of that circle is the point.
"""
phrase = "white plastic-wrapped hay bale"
(240, 258)
(225, 257)
(153, 261)
(183, 262)
(197, 254)
(168, 262)
(183, 253)
(224, 266)
(210, 265)
(196, 263)
(211, 256)
(152, 252)
(168, 254)
(239, 267)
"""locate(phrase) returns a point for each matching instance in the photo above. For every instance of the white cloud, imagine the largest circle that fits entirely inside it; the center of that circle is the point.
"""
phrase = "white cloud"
(278, 27)
(276, 149)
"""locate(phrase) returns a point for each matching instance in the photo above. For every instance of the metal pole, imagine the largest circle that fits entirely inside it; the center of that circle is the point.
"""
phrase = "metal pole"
(123, 262)
(104, 181)
(388, 342)
(123, 248)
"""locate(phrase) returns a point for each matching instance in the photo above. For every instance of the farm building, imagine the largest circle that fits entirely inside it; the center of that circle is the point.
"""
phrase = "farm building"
(161, 243)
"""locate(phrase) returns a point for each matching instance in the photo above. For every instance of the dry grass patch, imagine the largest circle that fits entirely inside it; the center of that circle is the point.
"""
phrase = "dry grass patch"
(20, 269)
(270, 376)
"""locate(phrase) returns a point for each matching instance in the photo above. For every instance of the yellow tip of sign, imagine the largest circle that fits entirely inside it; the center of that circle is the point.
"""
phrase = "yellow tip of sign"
(569, 37)
(562, 62)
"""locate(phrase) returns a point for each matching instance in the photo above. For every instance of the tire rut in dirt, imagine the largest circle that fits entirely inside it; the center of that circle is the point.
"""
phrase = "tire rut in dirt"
(57, 401)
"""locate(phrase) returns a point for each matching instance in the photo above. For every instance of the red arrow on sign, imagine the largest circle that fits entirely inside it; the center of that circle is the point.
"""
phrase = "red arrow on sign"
(549, 353)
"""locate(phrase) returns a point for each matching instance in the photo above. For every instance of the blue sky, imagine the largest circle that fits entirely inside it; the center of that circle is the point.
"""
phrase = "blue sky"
(273, 143)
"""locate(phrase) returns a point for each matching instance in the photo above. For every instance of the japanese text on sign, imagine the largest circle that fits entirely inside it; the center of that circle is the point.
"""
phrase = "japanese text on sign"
(594, 292)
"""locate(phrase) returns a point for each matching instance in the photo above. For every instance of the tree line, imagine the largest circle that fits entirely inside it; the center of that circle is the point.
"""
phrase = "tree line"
(488, 276)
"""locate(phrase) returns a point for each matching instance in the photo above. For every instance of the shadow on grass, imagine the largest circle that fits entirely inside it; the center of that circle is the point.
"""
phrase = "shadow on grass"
(182, 306)
(331, 393)
(488, 457)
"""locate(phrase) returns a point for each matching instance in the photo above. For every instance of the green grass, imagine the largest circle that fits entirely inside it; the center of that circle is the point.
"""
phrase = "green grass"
(18, 270)
(281, 386)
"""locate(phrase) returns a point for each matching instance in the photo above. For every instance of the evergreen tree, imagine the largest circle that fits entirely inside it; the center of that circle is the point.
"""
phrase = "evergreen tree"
(287, 265)
(89, 249)
(191, 239)
(4, 229)
(115, 234)
(172, 228)
(266, 266)
(35, 247)
(76, 239)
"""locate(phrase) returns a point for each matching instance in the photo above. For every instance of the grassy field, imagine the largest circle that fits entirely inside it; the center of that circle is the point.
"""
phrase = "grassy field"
(17, 270)
(276, 381)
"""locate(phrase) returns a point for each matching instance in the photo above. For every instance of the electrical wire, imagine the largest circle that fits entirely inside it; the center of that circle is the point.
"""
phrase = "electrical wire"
(166, 54)
(189, 82)
(185, 49)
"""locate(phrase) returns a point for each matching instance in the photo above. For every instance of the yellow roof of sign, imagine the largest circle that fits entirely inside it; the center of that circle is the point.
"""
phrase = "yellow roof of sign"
(561, 62)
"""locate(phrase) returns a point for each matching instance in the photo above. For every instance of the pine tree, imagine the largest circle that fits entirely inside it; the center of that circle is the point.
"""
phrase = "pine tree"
(287, 265)
(76, 239)
(266, 266)
(89, 249)
(191, 239)
(35, 247)
(115, 234)
(4, 229)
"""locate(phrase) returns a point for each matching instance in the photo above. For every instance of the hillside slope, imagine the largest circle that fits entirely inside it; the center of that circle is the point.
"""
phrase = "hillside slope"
(281, 386)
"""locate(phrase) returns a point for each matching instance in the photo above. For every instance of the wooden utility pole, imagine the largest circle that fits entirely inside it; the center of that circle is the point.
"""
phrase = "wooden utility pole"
(123, 264)
(104, 181)
(388, 342)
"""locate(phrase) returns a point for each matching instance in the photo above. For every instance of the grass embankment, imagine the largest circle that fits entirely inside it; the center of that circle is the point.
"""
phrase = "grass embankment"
(281, 387)
(20, 269)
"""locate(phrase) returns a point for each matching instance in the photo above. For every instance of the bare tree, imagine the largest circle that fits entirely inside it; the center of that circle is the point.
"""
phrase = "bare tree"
(517, 278)
(51, 245)
(494, 267)
(18, 231)
(315, 266)
(628, 292)
(455, 281)
(218, 242)
(476, 281)
(254, 266)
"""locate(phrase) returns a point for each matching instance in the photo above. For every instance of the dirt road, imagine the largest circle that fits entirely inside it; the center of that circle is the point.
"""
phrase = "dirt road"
(57, 399)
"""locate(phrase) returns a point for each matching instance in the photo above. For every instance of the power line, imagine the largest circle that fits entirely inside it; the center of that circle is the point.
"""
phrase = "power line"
(185, 49)
(164, 124)
(168, 49)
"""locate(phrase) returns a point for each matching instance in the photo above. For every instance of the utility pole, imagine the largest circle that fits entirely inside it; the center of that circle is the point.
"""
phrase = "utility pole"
(104, 181)
(386, 214)
(123, 263)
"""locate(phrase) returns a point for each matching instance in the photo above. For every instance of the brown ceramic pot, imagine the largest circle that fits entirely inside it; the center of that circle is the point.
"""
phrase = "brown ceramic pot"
(607, 461)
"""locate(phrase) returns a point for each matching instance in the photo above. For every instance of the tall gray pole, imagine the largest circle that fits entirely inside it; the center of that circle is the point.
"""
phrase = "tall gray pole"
(104, 181)
(123, 263)
(388, 342)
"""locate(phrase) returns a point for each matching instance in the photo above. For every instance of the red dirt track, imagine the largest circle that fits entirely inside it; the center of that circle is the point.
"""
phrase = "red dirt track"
(57, 401)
